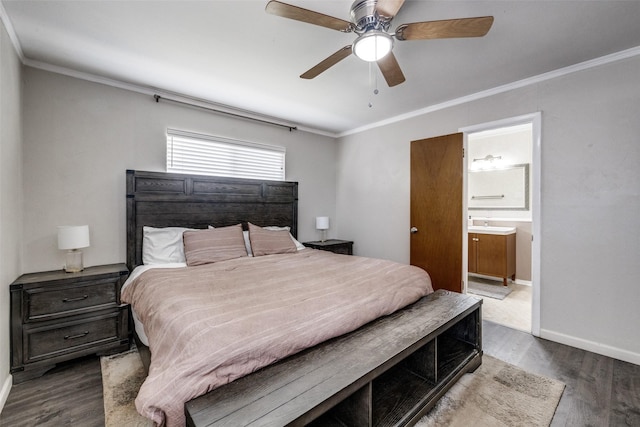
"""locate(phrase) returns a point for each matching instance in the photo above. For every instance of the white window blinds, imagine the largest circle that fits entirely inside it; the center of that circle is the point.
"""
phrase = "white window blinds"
(189, 152)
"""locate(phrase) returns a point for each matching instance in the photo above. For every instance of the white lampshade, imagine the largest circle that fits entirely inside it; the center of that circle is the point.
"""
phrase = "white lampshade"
(322, 222)
(73, 236)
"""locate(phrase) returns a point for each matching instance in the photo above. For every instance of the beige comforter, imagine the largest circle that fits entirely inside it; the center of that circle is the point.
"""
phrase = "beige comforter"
(211, 324)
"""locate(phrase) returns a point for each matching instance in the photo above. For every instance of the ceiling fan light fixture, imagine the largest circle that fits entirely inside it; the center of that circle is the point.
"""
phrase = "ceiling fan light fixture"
(373, 45)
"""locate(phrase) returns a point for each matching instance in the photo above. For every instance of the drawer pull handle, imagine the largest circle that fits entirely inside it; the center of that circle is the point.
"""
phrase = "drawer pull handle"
(75, 299)
(72, 337)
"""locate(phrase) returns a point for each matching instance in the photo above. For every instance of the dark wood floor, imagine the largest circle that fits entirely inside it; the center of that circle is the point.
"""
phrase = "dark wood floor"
(600, 391)
(68, 395)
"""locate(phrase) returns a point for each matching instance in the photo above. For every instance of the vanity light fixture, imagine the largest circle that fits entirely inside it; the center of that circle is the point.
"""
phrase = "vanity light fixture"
(488, 158)
(487, 162)
(72, 238)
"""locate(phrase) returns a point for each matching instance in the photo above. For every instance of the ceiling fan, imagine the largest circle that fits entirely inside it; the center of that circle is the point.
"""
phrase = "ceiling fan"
(370, 20)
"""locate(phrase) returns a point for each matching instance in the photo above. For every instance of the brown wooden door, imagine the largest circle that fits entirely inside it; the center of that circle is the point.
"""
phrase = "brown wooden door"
(436, 209)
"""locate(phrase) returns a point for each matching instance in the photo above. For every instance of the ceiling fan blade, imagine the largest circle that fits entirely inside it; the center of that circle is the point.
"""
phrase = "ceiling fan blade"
(388, 8)
(327, 63)
(391, 70)
(448, 28)
(308, 16)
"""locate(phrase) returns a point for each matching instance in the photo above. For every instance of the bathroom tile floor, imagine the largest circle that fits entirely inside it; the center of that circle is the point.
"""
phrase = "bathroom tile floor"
(514, 311)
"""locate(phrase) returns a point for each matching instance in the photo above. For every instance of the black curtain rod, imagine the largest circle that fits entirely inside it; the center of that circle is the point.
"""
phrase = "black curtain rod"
(291, 128)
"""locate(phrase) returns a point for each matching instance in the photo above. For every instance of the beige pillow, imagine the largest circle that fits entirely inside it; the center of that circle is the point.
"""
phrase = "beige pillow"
(213, 245)
(267, 242)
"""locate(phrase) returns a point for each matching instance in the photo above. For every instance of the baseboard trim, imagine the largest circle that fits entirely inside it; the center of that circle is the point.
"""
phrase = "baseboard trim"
(594, 347)
(4, 393)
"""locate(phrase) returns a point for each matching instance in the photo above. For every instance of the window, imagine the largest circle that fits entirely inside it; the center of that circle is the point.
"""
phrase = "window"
(189, 152)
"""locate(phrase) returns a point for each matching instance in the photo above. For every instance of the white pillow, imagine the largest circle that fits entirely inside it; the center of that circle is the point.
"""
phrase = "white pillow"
(247, 242)
(162, 245)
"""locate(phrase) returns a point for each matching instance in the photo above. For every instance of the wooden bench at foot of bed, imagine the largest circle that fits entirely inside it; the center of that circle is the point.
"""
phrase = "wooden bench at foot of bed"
(390, 372)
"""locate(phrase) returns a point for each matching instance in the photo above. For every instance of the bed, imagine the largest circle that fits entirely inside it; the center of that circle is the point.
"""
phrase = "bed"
(187, 318)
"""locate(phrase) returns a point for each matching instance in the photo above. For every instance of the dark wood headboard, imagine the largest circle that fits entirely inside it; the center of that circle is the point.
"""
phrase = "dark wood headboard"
(158, 199)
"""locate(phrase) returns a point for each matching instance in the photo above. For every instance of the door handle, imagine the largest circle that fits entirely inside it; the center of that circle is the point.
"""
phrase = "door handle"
(413, 230)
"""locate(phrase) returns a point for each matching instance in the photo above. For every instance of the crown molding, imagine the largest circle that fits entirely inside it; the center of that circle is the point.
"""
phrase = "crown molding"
(12, 34)
(607, 59)
(174, 96)
(592, 63)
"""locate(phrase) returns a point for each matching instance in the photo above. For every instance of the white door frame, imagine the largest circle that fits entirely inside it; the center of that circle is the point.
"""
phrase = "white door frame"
(536, 122)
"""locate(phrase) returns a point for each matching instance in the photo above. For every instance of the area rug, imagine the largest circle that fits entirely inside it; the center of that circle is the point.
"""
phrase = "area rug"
(488, 288)
(122, 376)
(497, 394)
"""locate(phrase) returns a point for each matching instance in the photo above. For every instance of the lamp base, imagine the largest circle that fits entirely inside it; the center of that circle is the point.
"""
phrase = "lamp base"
(74, 261)
(323, 238)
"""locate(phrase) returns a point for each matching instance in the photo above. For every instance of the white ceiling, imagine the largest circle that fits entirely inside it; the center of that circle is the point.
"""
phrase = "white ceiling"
(234, 53)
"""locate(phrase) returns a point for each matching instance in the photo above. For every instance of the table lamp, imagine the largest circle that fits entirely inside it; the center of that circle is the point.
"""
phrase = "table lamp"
(322, 223)
(72, 238)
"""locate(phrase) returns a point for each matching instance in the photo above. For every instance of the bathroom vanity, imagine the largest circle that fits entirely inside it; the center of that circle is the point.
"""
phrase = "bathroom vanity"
(492, 251)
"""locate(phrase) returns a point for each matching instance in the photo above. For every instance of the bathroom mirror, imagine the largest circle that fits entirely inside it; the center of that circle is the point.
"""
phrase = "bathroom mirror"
(506, 188)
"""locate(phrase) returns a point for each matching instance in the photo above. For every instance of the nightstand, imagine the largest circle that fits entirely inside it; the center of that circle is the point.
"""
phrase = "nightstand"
(58, 316)
(332, 245)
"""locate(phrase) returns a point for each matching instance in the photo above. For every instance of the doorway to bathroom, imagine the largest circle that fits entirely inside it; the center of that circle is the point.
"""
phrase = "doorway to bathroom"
(502, 203)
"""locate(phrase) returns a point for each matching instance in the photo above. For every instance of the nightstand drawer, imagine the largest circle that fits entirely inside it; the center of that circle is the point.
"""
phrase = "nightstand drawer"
(61, 338)
(50, 302)
(343, 249)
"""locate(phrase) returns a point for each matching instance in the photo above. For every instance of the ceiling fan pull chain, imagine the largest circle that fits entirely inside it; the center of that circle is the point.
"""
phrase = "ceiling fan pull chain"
(370, 83)
(375, 89)
(373, 82)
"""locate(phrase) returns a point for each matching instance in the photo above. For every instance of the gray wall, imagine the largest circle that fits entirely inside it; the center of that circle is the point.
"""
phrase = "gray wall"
(80, 137)
(10, 192)
(590, 197)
